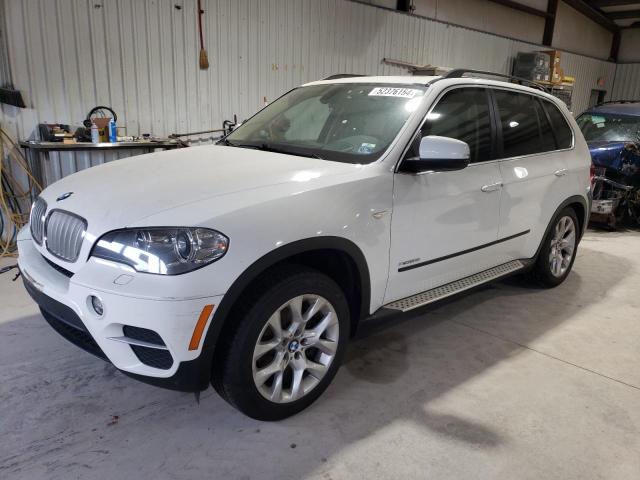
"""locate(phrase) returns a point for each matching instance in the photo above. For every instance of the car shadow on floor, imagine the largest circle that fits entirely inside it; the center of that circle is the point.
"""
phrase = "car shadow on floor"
(65, 413)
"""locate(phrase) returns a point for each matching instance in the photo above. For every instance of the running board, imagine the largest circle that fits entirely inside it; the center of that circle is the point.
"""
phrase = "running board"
(444, 291)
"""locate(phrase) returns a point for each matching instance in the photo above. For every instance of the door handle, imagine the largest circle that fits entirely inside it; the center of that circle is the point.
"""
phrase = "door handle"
(560, 173)
(492, 187)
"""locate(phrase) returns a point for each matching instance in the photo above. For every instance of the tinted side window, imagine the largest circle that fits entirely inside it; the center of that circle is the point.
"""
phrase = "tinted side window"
(563, 132)
(547, 137)
(463, 114)
(525, 128)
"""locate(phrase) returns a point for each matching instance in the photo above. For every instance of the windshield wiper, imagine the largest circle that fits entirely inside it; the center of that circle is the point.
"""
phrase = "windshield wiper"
(270, 148)
(227, 143)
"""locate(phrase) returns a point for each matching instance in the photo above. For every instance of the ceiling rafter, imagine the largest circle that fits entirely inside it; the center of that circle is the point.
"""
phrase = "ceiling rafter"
(613, 3)
(622, 15)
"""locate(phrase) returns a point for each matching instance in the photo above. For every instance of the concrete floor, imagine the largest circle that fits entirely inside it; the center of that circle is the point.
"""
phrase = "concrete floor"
(506, 382)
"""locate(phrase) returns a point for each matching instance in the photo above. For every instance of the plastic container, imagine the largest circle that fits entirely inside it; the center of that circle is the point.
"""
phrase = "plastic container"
(95, 134)
(113, 135)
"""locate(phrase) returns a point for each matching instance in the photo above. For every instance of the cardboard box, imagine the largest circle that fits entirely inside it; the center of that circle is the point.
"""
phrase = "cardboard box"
(103, 127)
(555, 70)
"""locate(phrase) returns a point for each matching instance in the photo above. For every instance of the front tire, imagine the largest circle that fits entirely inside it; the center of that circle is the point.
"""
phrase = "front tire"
(558, 250)
(290, 335)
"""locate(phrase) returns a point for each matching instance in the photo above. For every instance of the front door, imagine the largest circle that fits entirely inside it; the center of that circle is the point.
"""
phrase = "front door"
(445, 224)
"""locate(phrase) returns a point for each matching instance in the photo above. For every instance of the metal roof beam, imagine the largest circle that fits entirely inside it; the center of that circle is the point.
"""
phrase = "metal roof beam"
(596, 15)
(521, 7)
(623, 15)
(612, 3)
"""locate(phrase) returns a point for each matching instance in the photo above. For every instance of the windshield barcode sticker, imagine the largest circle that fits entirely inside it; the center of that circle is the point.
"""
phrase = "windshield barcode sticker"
(393, 92)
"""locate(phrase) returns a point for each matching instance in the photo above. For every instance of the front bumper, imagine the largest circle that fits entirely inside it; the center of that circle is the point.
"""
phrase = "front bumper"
(161, 358)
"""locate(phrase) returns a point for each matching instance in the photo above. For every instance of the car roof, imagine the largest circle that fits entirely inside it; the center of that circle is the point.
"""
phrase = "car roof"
(397, 79)
(626, 108)
(424, 80)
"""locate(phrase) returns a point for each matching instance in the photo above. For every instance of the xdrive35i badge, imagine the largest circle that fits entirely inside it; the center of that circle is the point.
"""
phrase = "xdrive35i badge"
(64, 196)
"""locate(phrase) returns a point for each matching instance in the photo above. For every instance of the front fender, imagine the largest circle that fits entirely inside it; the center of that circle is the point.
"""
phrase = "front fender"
(276, 256)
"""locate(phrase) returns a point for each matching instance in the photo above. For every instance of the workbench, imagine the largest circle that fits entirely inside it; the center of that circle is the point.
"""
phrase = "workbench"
(37, 152)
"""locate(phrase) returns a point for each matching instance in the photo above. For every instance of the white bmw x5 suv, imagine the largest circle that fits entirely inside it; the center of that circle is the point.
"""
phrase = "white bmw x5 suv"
(249, 264)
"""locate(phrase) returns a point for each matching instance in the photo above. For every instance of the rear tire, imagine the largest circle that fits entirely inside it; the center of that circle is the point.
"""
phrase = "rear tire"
(558, 250)
(289, 338)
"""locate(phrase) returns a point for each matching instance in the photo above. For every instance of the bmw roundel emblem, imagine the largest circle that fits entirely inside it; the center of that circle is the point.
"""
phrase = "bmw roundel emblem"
(64, 196)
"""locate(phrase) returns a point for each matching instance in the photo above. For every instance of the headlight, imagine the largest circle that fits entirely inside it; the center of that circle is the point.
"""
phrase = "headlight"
(164, 251)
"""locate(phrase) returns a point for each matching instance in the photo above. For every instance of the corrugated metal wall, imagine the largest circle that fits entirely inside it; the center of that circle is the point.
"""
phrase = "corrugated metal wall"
(627, 82)
(5, 70)
(141, 57)
(587, 72)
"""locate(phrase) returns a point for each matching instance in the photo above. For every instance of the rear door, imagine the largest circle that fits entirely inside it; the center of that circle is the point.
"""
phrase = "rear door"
(533, 169)
(445, 224)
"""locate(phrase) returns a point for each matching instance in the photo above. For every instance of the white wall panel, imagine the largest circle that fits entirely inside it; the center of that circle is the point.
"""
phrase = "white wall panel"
(627, 83)
(486, 16)
(587, 72)
(575, 32)
(629, 45)
(141, 57)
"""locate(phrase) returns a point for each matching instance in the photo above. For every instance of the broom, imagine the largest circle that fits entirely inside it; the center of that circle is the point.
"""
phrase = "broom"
(204, 59)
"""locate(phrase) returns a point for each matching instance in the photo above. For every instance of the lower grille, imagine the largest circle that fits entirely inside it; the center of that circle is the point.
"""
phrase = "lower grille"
(75, 334)
(153, 357)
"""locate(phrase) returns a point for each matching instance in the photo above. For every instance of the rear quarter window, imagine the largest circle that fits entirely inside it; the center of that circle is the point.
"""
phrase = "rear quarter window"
(525, 126)
(562, 130)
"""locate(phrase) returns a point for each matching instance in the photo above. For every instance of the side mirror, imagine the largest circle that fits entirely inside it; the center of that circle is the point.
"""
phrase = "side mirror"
(438, 154)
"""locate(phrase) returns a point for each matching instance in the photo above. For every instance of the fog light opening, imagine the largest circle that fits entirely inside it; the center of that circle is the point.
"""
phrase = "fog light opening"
(96, 305)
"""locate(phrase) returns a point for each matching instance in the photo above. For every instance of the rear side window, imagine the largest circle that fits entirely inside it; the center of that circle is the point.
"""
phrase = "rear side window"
(561, 128)
(525, 128)
(463, 114)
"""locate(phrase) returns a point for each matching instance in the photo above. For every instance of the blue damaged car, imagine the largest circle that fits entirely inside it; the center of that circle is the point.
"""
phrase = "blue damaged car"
(612, 130)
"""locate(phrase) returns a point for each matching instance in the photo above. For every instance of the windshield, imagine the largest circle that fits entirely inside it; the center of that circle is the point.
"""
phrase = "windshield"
(352, 123)
(609, 127)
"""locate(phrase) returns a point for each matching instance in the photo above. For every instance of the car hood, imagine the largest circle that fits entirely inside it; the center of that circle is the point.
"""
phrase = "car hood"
(613, 155)
(124, 192)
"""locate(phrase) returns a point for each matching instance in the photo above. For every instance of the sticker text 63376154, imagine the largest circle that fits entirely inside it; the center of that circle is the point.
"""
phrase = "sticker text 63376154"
(393, 92)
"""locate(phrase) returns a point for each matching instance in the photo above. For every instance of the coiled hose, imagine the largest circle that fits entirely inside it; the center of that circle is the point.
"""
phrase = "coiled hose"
(15, 199)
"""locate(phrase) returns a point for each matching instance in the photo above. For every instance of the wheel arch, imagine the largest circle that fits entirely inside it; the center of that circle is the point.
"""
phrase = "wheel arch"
(306, 252)
(580, 205)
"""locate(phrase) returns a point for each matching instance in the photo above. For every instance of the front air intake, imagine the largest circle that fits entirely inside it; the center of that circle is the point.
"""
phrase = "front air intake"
(142, 334)
(147, 345)
(153, 357)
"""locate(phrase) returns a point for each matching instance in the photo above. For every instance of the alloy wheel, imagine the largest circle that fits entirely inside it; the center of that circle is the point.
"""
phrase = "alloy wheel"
(563, 245)
(295, 348)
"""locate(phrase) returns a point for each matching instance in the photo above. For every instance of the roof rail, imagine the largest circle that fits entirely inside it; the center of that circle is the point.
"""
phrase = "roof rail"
(460, 72)
(617, 101)
(338, 76)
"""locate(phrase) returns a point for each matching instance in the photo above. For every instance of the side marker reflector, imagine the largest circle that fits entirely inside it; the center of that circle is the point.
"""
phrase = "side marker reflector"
(199, 330)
